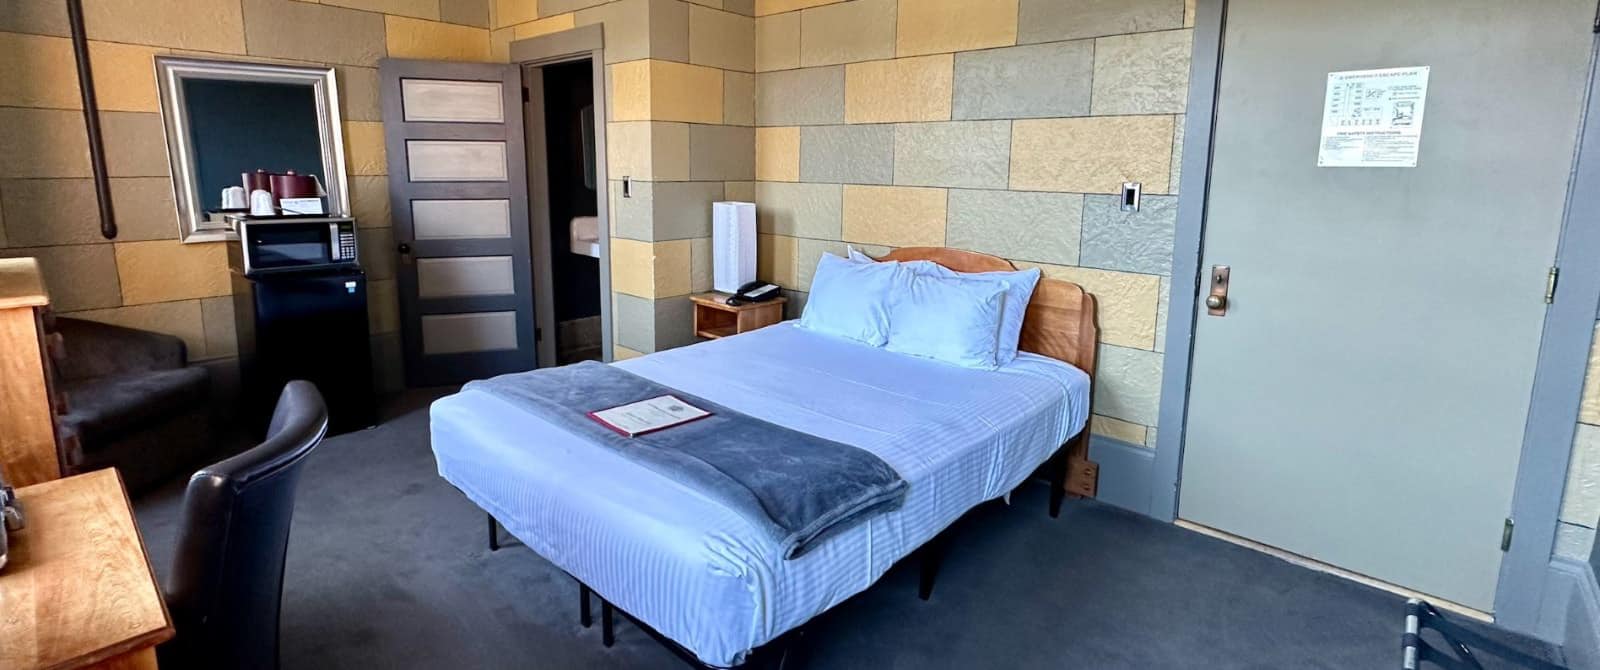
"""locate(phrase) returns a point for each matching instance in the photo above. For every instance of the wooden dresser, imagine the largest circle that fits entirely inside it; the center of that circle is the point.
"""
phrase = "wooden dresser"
(28, 402)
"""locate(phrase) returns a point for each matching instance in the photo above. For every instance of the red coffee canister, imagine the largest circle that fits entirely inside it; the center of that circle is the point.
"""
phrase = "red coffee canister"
(291, 185)
(260, 179)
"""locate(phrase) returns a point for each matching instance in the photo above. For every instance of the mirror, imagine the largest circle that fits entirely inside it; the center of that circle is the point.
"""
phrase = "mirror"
(224, 119)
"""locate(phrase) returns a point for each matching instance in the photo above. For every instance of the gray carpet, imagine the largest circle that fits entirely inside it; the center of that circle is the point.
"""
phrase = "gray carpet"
(388, 568)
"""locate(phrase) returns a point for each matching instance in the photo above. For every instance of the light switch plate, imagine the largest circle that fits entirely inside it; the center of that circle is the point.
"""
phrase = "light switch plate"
(1132, 191)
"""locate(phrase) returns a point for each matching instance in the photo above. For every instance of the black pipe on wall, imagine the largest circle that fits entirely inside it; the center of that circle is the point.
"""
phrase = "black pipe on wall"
(91, 120)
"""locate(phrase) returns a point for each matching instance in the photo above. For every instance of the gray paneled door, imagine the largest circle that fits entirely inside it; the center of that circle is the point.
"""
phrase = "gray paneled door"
(458, 188)
(1363, 400)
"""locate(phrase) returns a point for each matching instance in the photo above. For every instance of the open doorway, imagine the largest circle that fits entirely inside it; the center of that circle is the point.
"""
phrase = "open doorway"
(574, 231)
(567, 210)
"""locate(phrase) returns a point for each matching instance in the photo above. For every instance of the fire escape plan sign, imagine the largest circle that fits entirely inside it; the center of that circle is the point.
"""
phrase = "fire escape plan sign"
(1373, 118)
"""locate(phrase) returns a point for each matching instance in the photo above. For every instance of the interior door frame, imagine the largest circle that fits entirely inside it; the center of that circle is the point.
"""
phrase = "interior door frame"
(1563, 350)
(530, 54)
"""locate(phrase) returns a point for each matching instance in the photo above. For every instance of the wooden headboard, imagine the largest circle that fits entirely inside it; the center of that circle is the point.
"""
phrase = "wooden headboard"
(1060, 322)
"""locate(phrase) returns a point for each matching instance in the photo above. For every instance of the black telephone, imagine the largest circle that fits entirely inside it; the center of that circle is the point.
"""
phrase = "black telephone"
(756, 291)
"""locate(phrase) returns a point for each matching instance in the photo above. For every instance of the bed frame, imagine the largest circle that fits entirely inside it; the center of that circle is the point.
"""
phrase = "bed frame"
(1060, 323)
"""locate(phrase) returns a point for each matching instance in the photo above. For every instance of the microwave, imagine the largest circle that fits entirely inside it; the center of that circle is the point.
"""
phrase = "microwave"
(293, 244)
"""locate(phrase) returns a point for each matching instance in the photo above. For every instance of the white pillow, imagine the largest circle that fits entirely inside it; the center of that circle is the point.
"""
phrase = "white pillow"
(851, 300)
(950, 319)
(1019, 291)
(1018, 284)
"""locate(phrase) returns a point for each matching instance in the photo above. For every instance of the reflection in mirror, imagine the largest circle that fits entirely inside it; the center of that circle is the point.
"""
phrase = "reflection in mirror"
(233, 128)
(244, 126)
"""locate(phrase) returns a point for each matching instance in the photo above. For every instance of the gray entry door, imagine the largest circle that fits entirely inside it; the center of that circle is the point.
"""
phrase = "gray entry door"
(459, 192)
(1363, 400)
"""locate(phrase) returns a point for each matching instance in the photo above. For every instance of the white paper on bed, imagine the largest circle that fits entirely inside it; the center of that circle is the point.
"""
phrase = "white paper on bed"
(648, 415)
(699, 573)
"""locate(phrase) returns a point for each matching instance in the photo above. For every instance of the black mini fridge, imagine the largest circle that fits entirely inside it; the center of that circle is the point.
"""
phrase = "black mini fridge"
(311, 326)
(300, 307)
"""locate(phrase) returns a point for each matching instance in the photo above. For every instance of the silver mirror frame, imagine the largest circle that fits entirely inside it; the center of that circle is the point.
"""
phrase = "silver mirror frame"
(171, 71)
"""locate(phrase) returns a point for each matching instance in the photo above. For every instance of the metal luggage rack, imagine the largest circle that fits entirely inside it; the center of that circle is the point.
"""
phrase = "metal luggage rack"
(1418, 654)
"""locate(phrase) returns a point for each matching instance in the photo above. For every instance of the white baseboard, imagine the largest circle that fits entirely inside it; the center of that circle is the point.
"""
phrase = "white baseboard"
(1570, 614)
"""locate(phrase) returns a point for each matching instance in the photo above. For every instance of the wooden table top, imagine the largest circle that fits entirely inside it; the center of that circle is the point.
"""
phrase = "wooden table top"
(21, 284)
(78, 588)
(720, 301)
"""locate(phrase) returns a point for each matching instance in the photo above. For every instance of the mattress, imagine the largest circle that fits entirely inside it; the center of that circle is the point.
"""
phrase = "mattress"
(693, 569)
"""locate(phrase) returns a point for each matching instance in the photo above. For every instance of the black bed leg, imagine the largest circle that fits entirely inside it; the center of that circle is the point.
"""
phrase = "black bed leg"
(494, 534)
(1058, 482)
(932, 557)
(584, 616)
(608, 634)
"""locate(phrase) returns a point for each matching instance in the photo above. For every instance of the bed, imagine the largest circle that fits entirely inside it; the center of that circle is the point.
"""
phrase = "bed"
(699, 575)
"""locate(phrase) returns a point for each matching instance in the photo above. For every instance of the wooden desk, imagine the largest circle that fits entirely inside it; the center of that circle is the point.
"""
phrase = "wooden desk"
(714, 317)
(78, 591)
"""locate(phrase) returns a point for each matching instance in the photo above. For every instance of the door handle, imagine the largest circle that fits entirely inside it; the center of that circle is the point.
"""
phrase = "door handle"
(405, 253)
(1217, 300)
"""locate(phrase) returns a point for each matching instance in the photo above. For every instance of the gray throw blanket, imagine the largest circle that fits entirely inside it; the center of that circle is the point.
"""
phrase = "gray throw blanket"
(798, 487)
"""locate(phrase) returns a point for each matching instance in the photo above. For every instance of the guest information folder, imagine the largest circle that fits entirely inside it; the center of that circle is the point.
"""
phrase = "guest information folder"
(645, 416)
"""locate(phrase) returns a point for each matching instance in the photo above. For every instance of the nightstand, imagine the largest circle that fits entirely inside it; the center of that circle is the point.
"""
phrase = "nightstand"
(714, 317)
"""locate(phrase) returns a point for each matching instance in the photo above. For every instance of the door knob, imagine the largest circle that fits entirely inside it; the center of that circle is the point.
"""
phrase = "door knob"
(405, 253)
(1217, 300)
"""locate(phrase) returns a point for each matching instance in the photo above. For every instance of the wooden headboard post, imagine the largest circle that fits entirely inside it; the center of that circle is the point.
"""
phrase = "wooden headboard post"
(1060, 323)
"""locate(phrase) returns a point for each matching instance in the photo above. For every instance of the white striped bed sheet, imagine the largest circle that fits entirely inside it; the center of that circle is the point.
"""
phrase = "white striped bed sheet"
(695, 571)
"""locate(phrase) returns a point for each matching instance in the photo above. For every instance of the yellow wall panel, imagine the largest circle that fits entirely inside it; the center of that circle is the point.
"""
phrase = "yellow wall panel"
(1091, 154)
(632, 267)
(167, 270)
(417, 38)
(544, 26)
(688, 93)
(650, 269)
(851, 32)
(775, 256)
(658, 90)
(899, 90)
(778, 154)
(511, 12)
(364, 151)
(896, 216)
(630, 91)
(765, 7)
(38, 71)
(1127, 301)
(1132, 433)
(125, 77)
(943, 26)
(674, 260)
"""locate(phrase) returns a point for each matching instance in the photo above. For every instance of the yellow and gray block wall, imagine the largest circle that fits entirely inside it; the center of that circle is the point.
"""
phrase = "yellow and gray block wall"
(146, 278)
(680, 128)
(1001, 126)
